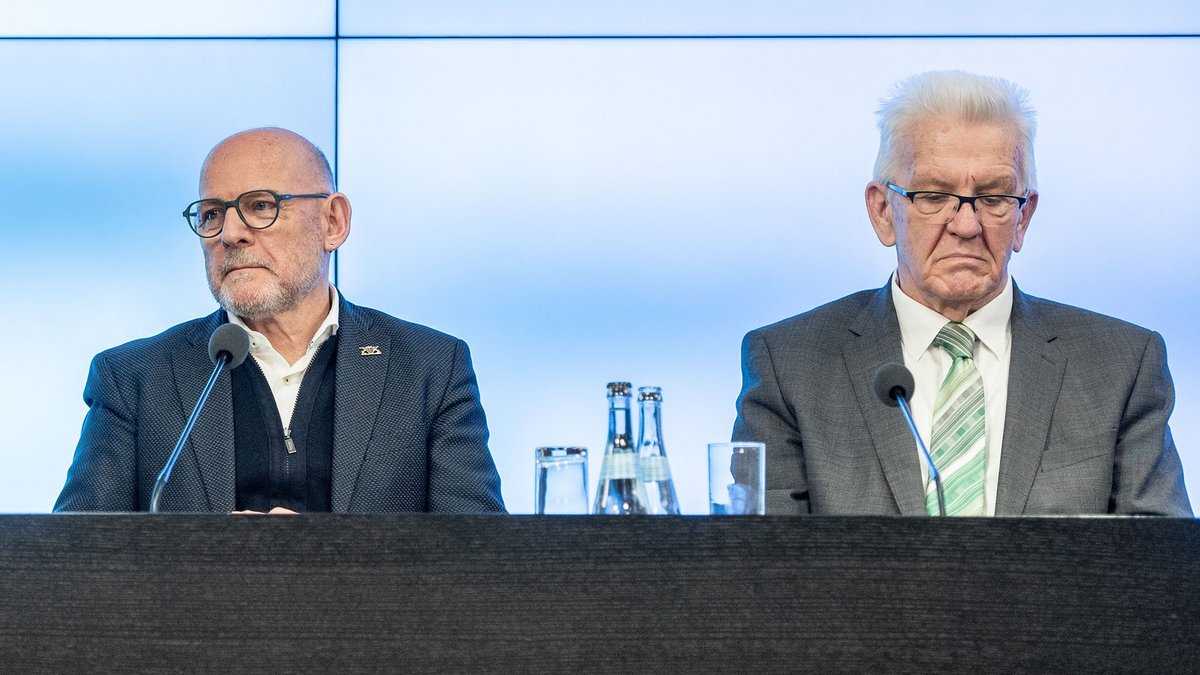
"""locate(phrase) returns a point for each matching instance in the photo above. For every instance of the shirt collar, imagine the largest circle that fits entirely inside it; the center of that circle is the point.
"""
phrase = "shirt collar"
(259, 344)
(920, 324)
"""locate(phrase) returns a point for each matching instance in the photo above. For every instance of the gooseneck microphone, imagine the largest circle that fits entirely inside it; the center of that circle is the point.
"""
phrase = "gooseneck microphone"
(228, 346)
(894, 384)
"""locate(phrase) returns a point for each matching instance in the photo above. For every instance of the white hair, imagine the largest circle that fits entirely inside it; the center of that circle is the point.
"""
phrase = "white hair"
(961, 96)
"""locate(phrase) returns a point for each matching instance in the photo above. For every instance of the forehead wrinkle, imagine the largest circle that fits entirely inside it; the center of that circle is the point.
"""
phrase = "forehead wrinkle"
(952, 154)
(985, 178)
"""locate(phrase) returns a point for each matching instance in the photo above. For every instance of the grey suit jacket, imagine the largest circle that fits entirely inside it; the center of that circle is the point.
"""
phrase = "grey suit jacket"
(409, 430)
(1085, 427)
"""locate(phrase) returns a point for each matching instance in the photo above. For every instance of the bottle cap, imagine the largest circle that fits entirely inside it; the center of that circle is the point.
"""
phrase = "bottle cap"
(619, 388)
(649, 393)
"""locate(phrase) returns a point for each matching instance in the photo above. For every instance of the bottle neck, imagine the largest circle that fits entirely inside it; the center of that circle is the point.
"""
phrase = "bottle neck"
(650, 425)
(620, 428)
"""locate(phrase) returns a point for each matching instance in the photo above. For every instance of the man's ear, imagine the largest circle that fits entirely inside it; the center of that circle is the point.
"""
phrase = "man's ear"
(879, 210)
(336, 220)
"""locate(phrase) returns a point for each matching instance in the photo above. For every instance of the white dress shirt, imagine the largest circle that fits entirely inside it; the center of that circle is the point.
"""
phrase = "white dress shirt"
(919, 325)
(285, 378)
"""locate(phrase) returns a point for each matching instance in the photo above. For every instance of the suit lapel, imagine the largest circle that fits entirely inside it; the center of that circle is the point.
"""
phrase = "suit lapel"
(210, 445)
(876, 341)
(1035, 375)
(363, 356)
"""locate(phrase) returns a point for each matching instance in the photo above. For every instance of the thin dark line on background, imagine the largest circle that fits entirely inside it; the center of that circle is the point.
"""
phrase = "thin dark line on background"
(796, 36)
(337, 88)
(101, 38)
(746, 36)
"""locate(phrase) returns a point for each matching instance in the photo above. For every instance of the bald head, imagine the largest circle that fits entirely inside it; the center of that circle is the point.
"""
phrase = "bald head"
(278, 159)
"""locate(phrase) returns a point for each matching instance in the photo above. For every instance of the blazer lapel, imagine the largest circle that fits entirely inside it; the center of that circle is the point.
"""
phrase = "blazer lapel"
(876, 341)
(363, 356)
(211, 442)
(1035, 375)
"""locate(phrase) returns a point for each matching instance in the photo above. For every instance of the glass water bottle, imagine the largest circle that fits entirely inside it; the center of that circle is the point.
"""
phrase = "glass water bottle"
(652, 455)
(620, 491)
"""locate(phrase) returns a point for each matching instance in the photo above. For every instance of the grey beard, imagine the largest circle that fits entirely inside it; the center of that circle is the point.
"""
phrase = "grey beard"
(294, 280)
(268, 304)
(273, 299)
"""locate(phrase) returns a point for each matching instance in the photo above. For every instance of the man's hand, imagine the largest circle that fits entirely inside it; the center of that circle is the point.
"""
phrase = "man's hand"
(273, 512)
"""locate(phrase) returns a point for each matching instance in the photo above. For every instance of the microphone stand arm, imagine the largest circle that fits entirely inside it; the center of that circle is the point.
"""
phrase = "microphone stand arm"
(933, 470)
(165, 474)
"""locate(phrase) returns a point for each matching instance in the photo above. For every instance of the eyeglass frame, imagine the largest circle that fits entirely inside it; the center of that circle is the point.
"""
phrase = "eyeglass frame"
(962, 199)
(236, 207)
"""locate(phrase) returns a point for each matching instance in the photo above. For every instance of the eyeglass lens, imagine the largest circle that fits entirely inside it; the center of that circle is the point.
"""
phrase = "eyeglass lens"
(992, 206)
(258, 209)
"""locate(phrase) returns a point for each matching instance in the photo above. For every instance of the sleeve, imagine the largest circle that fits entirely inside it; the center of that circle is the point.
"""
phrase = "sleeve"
(764, 417)
(462, 475)
(1148, 476)
(103, 471)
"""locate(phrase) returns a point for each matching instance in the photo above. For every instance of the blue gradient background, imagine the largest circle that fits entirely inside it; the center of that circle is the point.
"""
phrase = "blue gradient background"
(591, 206)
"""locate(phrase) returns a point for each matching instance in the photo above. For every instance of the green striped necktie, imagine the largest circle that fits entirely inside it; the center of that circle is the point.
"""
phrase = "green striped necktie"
(959, 440)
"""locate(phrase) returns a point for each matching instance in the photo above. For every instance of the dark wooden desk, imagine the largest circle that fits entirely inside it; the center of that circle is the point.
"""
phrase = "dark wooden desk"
(561, 594)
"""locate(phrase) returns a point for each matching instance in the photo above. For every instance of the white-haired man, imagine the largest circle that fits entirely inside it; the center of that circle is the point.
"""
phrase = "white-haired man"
(1029, 406)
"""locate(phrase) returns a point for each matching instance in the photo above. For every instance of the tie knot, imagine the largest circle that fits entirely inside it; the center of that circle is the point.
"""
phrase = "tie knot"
(956, 339)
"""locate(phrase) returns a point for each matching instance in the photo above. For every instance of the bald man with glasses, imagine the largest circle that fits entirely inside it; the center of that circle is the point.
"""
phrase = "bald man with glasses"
(339, 408)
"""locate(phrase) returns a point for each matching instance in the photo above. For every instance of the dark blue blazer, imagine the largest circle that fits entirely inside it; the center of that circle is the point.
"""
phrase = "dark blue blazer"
(409, 430)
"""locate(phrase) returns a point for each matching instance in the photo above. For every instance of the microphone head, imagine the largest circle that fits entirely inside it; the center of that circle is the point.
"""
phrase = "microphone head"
(232, 340)
(891, 381)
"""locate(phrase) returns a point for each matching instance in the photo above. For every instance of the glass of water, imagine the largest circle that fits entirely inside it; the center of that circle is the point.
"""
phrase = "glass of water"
(737, 482)
(560, 481)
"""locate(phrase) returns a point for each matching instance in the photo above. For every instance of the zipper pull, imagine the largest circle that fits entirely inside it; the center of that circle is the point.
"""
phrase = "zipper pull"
(287, 440)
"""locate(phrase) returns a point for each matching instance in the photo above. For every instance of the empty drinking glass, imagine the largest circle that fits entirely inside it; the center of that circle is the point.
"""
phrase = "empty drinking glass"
(560, 481)
(737, 475)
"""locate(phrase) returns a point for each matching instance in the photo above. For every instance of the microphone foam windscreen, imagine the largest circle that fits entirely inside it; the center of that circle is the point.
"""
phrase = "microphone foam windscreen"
(892, 376)
(231, 339)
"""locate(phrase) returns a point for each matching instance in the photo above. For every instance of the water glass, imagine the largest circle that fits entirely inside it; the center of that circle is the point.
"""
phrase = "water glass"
(560, 481)
(737, 479)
